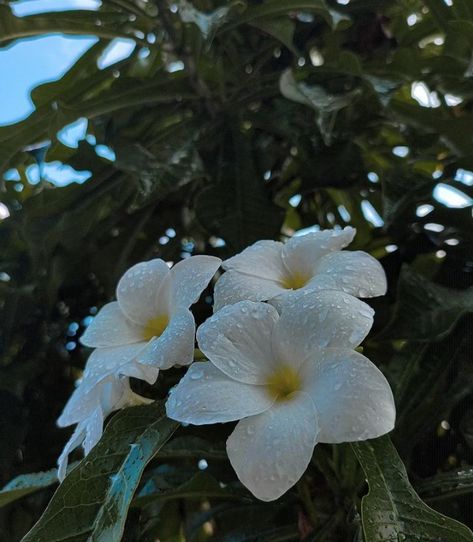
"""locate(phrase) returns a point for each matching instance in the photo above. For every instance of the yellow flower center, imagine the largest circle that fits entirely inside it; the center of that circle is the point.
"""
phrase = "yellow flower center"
(283, 383)
(295, 281)
(154, 327)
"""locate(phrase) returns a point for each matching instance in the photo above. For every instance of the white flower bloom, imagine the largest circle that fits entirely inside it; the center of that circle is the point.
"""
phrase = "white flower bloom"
(149, 328)
(151, 320)
(314, 261)
(89, 405)
(292, 380)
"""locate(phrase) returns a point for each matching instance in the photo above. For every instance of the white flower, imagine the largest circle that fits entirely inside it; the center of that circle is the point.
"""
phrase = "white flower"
(150, 323)
(292, 380)
(313, 261)
(92, 401)
(149, 328)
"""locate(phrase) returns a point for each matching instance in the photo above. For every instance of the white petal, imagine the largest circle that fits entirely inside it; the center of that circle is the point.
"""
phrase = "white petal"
(237, 340)
(93, 430)
(262, 259)
(111, 328)
(175, 346)
(205, 395)
(301, 254)
(233, 286)
(138, 290)
(271, 451)
(190, 277)
(352, 397)
(313, 320)
(354, 272)
(81, 404)
(74, 442)
(120, 360)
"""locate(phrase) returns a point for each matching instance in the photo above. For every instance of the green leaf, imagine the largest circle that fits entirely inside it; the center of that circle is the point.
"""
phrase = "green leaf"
(201, 485)
(92, 502)
(28, 483)
(447, 485)
(426, 311)
(78, 22)
(392, 510)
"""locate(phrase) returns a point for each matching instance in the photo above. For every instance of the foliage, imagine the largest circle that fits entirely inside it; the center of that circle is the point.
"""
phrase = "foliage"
(232, 122)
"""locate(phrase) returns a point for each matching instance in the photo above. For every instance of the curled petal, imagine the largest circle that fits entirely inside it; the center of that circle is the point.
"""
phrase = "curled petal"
(206, 395)
(271, 451)
(175, 346)
(262, 259)
(74, 442)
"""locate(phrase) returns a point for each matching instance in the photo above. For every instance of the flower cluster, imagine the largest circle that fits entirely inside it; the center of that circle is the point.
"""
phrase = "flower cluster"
(280, 348)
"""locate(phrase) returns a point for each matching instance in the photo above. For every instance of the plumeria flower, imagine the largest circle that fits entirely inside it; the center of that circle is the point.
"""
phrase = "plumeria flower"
(148, 328)
(291, 379)
(92, 401)
(314, 261)
(150, 324)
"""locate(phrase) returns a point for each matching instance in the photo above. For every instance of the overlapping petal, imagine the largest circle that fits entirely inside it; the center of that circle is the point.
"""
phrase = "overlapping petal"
(354, 272)
(301, 254)
(207, 395)
(190, 277)
(262, 259)
(352, 396)
(271, 451)
(234, 286)
(138, 289)
(111, 328)
(237, 340)
(75, 440)
(175, 346)
(313, 320)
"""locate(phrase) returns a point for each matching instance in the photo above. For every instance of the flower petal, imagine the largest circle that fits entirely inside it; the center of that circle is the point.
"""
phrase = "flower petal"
(233, 286)
(313, 320)
(137, 290)
(301, 254)
(190, 277)
(354, 272)
(205, 395)
(111, 328)
(271, 451)
(262, 259)
(93, 429)
(237, 340)
(75, 441)
(352, 397)
(120, 360)
(175, 346)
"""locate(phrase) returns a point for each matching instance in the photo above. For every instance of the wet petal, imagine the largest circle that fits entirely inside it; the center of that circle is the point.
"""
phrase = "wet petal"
(175, 346)
(354, 272)
(262, 259)
(233, 286)
(111, 328)
(93, 429)
(272, 450)
(74, 442)
(206, 395)
(237, 340)
(353, 398)
(137, 290)
(190, 277)
(301, 254)
(313, 320)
